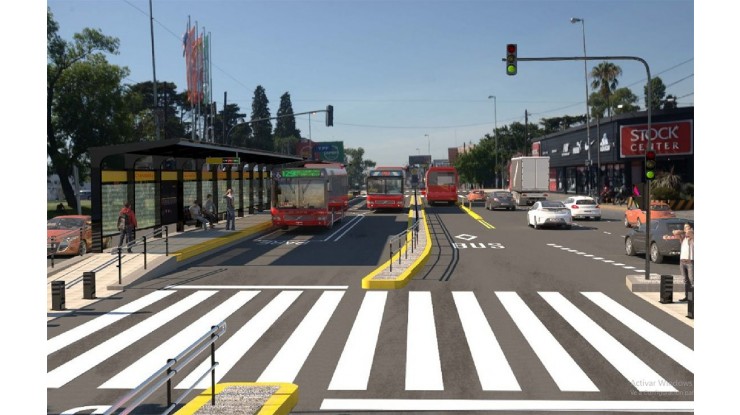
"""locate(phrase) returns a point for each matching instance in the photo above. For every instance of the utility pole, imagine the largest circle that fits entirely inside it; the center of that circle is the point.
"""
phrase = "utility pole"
(526, 131)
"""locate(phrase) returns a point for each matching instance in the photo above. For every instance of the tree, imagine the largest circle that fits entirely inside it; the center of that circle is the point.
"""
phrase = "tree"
(286, 135)
(169, 100)
(605, 81)
(356, 166)
(620, 97)
(657, 93)
(261, 130)
(85, 102)
(233, 135)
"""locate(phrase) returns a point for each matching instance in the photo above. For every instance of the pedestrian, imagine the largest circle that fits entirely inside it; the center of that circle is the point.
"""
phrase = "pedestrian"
(230, 214)
(686, 259)
(209, 210)
(126, 225)
(196, 213)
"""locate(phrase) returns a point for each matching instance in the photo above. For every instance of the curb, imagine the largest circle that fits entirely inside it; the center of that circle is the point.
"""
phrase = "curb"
(280, 402)
(195, 250)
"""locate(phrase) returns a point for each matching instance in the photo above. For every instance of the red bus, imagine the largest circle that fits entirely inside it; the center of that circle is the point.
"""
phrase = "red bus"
(385, 188)
(310, 195)
(441, 184)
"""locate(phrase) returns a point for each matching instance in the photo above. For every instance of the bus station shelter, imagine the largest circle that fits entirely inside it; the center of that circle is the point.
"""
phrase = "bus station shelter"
(161, 179)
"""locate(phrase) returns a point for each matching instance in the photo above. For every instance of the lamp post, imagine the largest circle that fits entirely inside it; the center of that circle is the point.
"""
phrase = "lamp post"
(585, 77)
(495, 133)
(429, 145)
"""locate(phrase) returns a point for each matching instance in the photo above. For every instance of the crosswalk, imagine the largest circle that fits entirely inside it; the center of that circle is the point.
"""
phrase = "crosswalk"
(173, 311)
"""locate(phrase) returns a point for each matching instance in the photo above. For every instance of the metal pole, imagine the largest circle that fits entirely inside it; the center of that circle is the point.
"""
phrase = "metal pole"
(166, 242)
(143, 239)
(154, 73)
(119, 265)
(585, 78)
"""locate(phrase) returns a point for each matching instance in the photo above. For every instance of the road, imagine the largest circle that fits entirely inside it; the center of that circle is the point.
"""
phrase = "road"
(502, 317)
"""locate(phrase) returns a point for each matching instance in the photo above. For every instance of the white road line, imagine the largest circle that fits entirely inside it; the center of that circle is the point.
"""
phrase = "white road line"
(133, 375)
(285, 366)
(256, 287)
(639, 374)
(597, 258)
(676, 350)
(71, 336)
(236, 346)
(617, 264)
(423, 367)
(345, 225)
(353, 368)
(588, 256)
(350, 228)
(88, 360)
(608, 261)
(629, 267)
(494, 371)
(563, 369)
(452, 405)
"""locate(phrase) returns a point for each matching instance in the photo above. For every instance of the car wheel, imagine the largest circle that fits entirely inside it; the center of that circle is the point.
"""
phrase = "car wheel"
(655, 254)
(598, 218)
(83, 248)
(638, 223)
(626, 222)
(629, 248)
(534, 223)
(568, 226)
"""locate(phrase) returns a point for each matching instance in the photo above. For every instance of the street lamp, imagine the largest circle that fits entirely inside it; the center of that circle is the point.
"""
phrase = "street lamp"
(495, 133)
(429, 145)
(418, 151)
(585, 77)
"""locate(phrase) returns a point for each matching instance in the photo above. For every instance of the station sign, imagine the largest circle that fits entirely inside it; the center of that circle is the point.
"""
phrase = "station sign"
(223, 160)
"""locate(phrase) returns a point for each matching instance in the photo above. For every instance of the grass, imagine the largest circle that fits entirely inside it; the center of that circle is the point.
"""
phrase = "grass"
(51, 209)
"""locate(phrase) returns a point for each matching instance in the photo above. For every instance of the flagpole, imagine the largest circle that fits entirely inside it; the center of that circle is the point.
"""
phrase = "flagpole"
(154, 74)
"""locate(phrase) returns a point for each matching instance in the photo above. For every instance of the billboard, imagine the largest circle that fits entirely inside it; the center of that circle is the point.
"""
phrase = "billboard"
(331, 151)
(668, 138)
(427, 160)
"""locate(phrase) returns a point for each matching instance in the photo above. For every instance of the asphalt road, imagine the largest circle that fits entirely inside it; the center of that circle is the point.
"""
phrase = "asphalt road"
(502, 316)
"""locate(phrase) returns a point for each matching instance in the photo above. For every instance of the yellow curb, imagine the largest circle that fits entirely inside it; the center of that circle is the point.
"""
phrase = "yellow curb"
(191, 251)
(280, 403)
(369, 283)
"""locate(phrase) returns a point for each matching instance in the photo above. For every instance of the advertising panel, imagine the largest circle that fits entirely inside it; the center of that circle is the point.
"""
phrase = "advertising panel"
(420, 160)
(668, 138)
(331, 151)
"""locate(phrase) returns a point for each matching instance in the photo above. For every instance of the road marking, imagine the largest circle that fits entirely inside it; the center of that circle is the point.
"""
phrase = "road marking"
(452, 405)
(136, 373)
(466, 237)
(285, 366)
(676, 350)
(256, 287)
(561, 366)
(639, 374)
(88, 360)
(65, 339)
(353, 368)
(423, 367)
(349, 225)
(233, 349)
(494, 371)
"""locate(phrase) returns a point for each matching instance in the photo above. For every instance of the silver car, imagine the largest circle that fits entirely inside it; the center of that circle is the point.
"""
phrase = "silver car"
(634, 241)
(500, 199)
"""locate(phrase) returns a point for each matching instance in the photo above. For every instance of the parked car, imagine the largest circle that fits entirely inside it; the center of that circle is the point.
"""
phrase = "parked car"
(549, 213)
(500, 199)
(634, 216)
(634, 241)
(476, 195)
(69, 234)
(583, 207)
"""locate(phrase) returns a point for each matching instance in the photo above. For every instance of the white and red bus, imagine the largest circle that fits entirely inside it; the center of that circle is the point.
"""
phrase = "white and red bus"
(441, 184)
(385, 188)
(313, 194)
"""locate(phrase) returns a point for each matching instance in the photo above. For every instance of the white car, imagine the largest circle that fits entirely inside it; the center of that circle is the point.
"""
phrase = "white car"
(549, 213)
(582, 207)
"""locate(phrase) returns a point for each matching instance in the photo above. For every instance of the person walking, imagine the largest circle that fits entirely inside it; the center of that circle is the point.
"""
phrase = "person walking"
(209, 210)
(196, 213)
(230, 213)
(686, 260)
(126, 225)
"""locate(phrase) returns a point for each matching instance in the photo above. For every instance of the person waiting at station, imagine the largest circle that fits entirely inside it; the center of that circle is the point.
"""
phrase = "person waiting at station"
(209, 210)
(195, 213)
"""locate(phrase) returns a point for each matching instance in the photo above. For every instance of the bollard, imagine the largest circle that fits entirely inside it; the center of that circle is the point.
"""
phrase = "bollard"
(666, 289)
(57, 295)
(88, 285)
(690, 298)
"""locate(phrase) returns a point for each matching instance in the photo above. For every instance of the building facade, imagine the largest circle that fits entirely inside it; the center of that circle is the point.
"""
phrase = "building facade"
(614, 156)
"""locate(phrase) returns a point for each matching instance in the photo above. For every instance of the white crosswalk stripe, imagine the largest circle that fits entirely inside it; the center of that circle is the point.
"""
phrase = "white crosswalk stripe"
(353, 370)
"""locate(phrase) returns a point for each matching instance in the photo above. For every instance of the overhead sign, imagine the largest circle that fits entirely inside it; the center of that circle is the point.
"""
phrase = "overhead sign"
(223, 160)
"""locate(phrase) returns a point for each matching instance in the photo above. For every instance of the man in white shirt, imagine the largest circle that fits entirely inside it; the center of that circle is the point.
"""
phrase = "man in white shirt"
(686, 260)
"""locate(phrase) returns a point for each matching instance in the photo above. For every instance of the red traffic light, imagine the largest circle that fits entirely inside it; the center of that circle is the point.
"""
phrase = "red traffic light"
(650, 155)
(511, 48)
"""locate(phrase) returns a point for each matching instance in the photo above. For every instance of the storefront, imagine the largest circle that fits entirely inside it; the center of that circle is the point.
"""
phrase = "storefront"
(616, 158)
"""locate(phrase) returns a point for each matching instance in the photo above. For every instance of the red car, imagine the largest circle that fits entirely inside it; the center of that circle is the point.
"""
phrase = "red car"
(477, 195)
(68, 235)
(634, 216)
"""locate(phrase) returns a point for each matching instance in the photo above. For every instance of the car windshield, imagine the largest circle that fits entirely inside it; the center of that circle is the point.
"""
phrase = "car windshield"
(676, 226)
(64, 223)
(502, 194)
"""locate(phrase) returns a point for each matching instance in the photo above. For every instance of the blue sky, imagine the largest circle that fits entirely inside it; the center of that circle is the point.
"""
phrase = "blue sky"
(403, 76)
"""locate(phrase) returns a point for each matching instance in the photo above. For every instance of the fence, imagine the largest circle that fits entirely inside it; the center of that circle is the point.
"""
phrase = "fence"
(410, 238)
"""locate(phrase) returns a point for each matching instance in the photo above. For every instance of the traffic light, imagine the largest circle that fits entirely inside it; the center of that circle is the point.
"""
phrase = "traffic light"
(329, 115)
(650, 165)
(511, 59)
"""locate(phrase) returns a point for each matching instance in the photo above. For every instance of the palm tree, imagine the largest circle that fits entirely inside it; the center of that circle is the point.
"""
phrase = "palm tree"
(604, 77)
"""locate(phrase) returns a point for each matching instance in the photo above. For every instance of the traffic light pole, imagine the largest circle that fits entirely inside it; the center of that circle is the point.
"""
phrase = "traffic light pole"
(648, 138)
(329, 110)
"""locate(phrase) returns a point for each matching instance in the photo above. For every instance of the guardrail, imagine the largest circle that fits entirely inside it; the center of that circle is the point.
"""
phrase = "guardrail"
(409, 236)
(165, 374)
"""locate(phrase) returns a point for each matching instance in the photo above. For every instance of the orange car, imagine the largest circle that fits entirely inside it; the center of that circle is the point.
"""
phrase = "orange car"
(634, 216)
(476, 196)
(69, 234)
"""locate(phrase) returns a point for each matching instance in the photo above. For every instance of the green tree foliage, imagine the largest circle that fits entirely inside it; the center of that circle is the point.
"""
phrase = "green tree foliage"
(605, 82)
(620, 96)
(551, 125)
(286, 135)
(261, 130)
(657, 93)
(142, 107)
(236, 136)
(86, 104)
(356, 167)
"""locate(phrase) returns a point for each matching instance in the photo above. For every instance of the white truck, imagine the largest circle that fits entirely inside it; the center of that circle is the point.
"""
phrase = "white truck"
(529, 179)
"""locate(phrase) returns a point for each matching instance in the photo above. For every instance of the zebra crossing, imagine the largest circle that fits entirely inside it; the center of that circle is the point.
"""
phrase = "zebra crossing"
(354, 365)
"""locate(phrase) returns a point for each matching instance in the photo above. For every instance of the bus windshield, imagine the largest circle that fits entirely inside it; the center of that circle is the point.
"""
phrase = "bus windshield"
(303, 193)
(441, 178)
(385, 185)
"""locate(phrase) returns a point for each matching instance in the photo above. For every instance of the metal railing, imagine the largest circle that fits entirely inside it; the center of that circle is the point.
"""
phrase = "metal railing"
(165, 374)
(410, 238)
(156, 233)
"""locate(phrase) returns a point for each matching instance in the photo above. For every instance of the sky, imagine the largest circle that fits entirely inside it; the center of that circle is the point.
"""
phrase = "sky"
(405, 77)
